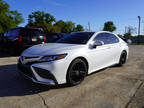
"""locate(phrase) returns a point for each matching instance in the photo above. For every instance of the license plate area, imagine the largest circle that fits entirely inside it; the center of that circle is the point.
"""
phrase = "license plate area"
(34, 40)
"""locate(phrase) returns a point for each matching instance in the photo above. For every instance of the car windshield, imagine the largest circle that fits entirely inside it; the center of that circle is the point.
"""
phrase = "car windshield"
(76, 38)
(52, 37)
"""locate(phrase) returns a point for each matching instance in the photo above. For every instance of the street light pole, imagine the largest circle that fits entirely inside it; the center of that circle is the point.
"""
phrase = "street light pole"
(139, 18)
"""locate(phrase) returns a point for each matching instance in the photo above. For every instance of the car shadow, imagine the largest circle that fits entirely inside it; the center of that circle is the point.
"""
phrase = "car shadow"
(12, 84)
(6, 54)
(2, 55)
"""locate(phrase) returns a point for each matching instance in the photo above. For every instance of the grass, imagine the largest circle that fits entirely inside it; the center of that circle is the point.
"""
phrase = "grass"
(137, 44)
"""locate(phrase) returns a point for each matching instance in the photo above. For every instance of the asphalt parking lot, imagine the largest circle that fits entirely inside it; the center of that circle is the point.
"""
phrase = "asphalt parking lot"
(115, 87)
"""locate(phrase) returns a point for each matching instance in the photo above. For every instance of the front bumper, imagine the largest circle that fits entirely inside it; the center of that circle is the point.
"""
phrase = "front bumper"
(37, 75)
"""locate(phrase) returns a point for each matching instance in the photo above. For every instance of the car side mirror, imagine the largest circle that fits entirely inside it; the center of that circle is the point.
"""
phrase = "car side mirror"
(97, 43)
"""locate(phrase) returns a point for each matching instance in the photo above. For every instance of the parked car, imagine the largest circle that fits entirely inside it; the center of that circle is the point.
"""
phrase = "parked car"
(53, 37)
(18, 39)
(127, 40)
(1, 40)
(123, 38)
(1, 34)
(71, 58)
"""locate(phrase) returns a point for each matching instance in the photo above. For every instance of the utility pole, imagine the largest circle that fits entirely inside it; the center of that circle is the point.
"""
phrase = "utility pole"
(89, 26)
(139, 18)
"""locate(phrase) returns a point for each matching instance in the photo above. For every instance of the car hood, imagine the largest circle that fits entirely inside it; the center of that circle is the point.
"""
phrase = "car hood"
(51, 49)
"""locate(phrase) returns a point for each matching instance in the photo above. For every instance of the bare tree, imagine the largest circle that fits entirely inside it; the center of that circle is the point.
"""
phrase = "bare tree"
(131, 30)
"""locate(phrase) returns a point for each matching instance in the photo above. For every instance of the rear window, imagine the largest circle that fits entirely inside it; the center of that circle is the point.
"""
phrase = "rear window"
(112, 39)
(32, 33)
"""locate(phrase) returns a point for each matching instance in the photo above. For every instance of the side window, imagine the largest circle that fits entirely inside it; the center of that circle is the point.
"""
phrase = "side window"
(102, 37)
(112, 39)
(5, 34)
(8, 33)
(15, 32)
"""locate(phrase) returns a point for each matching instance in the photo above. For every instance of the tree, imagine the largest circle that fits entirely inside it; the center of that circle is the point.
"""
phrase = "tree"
(65, 27)
(68, 27)
(8, 19)
(41, 20)
(49, 24)
(127, 35)
(60, 25)
(109, 26)
(78, 28)
(120, 35)
(55, 29)
(16, 17)
(130, 31)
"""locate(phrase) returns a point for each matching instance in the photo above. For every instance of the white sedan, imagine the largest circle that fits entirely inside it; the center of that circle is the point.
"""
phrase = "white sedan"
(71, 58)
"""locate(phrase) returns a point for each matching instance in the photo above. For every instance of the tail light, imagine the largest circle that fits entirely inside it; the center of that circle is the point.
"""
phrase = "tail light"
(45, 38)
(20, 38)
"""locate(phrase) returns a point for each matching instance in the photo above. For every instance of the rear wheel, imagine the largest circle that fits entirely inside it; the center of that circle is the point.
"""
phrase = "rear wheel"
(76, 72)
(123, 58)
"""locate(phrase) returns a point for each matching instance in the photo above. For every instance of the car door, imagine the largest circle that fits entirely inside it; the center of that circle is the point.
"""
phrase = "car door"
(99, 56)
(114, 48)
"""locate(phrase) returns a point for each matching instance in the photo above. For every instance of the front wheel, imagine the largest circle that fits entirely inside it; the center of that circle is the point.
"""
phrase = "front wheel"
(76, 72)
(123, 58)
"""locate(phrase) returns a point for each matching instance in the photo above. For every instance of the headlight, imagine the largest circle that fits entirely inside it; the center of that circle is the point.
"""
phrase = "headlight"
(52, 57)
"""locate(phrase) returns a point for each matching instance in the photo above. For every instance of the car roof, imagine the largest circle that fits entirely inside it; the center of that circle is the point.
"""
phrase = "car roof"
(84, 32)
(93, 32)
(30, 28)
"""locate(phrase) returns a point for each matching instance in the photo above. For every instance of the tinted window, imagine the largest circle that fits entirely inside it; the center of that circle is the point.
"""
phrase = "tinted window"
(31, 33)
(9, 33)
(53, 37)
(13, 32)
(112, 39)
(76, 38)
(102, 37)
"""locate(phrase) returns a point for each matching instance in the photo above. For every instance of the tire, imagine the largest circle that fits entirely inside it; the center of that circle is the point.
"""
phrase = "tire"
(123, 58)
(76, 72)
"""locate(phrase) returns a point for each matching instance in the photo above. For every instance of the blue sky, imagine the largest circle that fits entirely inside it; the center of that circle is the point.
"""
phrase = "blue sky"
(122, 12)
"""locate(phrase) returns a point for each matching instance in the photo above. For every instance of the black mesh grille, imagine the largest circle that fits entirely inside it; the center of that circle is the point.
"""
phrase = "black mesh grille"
(44, 73)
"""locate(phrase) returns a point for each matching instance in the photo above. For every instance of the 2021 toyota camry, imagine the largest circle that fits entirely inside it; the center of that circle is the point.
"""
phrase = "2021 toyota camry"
(71, 58)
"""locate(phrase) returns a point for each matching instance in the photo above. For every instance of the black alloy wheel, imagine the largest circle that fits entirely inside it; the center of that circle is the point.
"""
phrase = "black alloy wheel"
(123, 58)
(76, 72)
